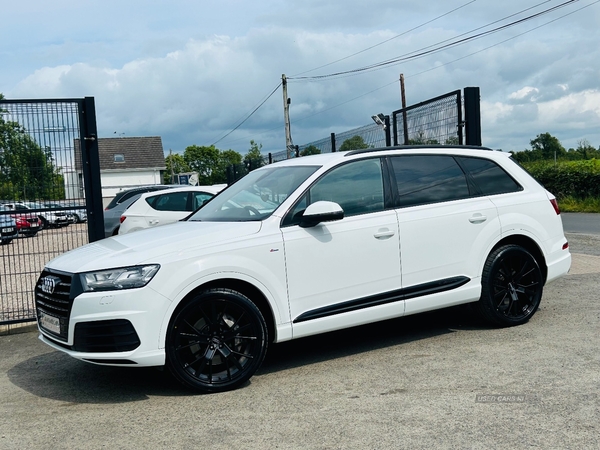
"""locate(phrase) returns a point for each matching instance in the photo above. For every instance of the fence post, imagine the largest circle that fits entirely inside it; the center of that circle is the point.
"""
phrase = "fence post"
(388, 135)
(332, 142)
(90, 159)
(472, 116)
(270, 158)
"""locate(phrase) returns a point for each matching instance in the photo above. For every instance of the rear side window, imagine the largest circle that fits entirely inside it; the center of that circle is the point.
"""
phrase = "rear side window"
(425, 179)
(199, 198)
(489, 178)
(173, 201)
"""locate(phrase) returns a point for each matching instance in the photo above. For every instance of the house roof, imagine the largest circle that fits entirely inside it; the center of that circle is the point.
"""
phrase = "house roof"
(134, 153)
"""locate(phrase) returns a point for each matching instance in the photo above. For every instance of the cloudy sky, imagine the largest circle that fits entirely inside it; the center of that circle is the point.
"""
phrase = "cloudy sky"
(191, 70)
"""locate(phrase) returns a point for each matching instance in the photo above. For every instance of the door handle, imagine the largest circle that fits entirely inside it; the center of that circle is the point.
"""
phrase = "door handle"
(478, 218)
(384, 234)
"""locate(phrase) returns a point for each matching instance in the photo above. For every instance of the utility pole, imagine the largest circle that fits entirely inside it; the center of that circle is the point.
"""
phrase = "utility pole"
(289, 146)
(171, 161)
(403, 98)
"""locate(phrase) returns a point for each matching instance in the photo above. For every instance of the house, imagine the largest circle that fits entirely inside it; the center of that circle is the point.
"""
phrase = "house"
(125, 162)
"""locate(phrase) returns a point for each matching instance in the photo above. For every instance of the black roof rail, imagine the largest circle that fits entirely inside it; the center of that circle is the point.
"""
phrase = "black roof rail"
(415, 147)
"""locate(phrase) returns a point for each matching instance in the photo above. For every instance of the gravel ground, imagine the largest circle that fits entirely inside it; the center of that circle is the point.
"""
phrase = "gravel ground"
(436, 380)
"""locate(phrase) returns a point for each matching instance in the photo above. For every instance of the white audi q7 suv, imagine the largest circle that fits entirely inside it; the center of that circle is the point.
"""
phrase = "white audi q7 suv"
(306, 246)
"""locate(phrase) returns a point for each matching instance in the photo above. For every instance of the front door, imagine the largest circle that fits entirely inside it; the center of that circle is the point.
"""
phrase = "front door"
(342, 273)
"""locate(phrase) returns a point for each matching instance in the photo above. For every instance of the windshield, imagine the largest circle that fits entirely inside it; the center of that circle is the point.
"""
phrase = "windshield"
(255, 196)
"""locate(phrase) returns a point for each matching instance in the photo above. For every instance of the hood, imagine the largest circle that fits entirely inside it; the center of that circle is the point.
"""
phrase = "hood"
(152, 245)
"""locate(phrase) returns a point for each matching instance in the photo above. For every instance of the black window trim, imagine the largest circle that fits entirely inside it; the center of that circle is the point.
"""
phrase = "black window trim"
(478, 189)
(474, 189)
(386, 176)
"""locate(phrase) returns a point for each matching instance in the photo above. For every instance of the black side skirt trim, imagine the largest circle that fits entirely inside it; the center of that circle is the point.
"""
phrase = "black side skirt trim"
(381, 299)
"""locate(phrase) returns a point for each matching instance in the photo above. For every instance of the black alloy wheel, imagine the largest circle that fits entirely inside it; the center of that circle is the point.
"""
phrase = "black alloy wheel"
(512, 286)
(216, 341)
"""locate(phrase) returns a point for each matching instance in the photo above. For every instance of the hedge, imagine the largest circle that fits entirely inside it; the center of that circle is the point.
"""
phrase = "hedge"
(579, 179)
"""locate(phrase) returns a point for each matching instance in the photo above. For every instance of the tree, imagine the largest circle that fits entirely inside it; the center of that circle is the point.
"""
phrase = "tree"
(231, 157)
(175, 164)
(421, 139)
(310, 150)
(452, 140)
(254, 158)
(354, 143)
(209, 162)
(27, 171)
(584, 150)
(547, 146)
(206, 161)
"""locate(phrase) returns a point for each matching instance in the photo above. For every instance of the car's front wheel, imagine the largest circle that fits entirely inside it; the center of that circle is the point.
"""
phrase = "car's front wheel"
(511, 286)
(216, 341)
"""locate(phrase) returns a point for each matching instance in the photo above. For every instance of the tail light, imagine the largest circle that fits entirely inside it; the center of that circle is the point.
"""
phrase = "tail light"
(555, 205)
(122, 219)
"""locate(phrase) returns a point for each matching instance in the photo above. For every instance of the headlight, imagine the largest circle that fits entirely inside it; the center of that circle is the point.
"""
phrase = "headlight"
(121, 278)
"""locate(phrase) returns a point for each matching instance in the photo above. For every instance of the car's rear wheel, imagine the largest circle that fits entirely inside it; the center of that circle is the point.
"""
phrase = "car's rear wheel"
(216, 341)
(511, 287)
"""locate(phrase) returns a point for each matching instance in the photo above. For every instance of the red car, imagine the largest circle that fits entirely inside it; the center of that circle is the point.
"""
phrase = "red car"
(27, 224)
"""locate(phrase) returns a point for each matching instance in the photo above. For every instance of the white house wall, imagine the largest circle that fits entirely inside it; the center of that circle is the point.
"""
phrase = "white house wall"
(115, 181)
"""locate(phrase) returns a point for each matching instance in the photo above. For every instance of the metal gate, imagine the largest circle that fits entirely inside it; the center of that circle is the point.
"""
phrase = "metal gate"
(54, 205)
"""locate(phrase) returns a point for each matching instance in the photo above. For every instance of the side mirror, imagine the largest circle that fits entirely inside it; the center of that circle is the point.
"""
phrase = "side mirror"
(321, 212)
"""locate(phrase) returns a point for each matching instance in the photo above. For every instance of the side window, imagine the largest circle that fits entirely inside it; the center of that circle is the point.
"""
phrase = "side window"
(425, 179)
(199, 199)
(173, 201)
(357, 187)
(489, 178)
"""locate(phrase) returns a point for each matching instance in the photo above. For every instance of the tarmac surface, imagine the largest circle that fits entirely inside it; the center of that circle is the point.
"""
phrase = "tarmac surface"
(435, 380)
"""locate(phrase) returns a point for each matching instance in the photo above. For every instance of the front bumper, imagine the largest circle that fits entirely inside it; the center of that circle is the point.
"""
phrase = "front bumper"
(110, 328)
(8, 232)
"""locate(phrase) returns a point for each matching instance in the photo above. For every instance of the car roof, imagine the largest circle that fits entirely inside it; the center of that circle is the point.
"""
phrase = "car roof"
(327, 159)
(214, 189)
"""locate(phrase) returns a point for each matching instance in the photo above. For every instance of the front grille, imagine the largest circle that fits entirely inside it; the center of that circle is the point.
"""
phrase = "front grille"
(55, 303)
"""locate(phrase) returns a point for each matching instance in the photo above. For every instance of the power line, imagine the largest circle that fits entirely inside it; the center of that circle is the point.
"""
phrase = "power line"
(342, 59)
(436, 67)
(439, 66)
(387, 40)
(437, 47)
(248, 116)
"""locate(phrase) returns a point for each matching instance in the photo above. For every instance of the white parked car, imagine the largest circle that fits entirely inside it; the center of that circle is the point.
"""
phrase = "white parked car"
(306, 246)
(167, 206)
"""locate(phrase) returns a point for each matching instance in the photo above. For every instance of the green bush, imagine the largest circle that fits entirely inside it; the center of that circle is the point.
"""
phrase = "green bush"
(576, 179)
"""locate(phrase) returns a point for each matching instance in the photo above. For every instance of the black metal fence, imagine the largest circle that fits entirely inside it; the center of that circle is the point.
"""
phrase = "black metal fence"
(449, 119)
(435, 121)
(39, 193)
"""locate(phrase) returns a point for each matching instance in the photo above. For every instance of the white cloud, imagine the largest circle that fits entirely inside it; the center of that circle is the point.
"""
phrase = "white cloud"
(190, 72)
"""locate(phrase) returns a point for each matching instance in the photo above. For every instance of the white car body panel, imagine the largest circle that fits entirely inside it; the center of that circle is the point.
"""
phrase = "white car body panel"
(346, 261)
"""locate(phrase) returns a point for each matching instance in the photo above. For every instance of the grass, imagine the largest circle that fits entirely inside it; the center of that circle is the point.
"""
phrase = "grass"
(572, 204)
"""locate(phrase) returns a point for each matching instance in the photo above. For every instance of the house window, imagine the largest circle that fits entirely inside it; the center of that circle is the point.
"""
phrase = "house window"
(119, 158)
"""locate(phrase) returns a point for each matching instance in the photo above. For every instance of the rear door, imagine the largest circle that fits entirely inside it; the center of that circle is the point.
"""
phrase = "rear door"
(445, 227)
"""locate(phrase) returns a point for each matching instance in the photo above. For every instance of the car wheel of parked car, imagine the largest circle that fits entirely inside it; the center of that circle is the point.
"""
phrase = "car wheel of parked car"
(216, 341)
(511, 285)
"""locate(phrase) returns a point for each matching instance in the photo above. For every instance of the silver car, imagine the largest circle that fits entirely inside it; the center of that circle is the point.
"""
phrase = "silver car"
(8, 226)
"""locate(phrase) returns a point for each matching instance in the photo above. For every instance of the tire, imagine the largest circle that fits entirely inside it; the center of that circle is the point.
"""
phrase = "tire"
(216, 341)
(511, 286)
